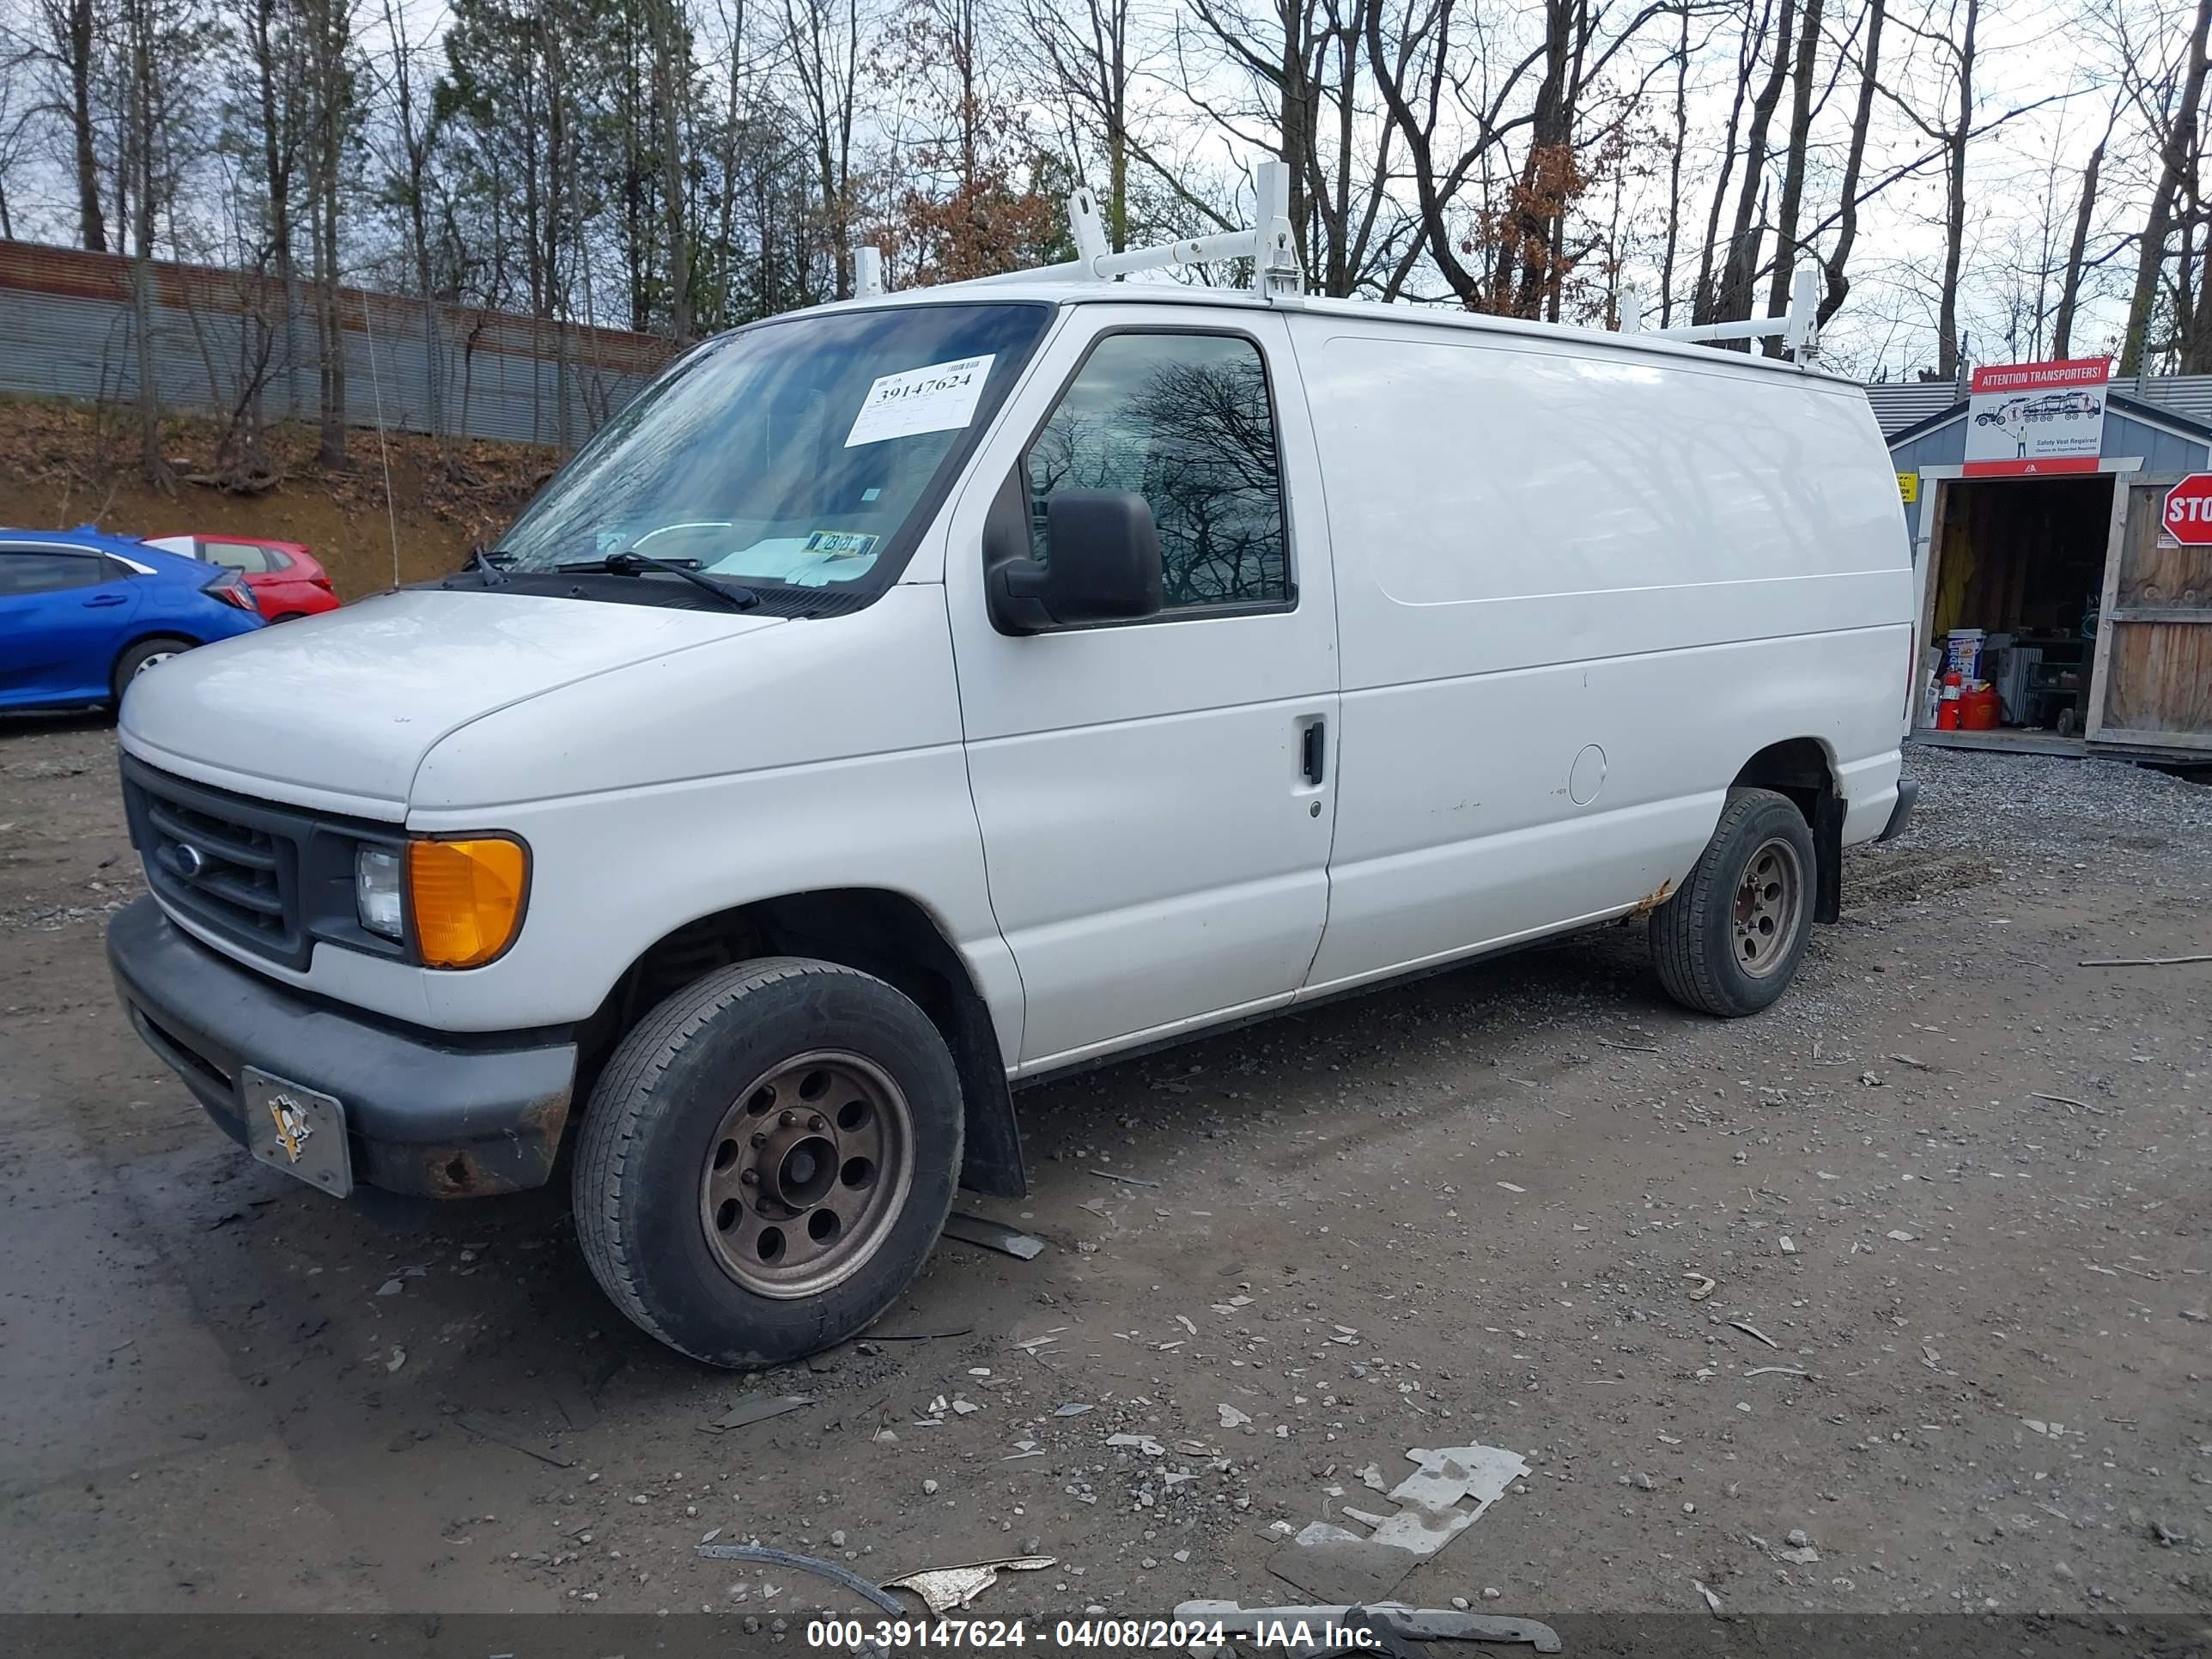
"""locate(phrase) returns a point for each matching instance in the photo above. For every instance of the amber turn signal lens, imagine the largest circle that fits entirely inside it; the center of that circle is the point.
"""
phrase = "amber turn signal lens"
(464, 898)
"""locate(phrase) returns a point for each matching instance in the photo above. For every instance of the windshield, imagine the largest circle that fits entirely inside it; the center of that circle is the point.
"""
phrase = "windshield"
(809, 452)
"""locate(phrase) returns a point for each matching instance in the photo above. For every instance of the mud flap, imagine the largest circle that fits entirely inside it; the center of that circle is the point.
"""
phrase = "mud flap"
(1828, 855)
(991, 1138)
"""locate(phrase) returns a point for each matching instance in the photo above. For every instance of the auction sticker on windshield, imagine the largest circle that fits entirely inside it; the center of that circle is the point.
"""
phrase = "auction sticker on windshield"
(938, 399)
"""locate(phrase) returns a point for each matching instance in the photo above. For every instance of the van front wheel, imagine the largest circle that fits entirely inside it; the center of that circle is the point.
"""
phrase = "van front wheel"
(1731, 936)
(768, 1159)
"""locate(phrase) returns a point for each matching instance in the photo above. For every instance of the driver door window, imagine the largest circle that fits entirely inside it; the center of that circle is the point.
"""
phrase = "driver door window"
(1184, 420)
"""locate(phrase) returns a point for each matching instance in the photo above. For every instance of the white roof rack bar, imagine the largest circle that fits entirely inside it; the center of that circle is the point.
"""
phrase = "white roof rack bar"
(1088, 229)
(1269, 243)
(867, 272)
(1799, 329)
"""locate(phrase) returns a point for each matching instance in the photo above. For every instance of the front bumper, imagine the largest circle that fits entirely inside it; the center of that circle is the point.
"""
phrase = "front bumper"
(440, 1114)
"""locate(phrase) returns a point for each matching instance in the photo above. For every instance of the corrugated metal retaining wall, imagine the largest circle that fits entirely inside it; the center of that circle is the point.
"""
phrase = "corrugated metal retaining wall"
(66, 330)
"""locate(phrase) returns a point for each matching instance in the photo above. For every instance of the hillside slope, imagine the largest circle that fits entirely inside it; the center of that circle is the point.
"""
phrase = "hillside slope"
(65, 464)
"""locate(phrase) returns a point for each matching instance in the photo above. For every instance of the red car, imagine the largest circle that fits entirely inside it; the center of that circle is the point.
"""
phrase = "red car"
(283, 577)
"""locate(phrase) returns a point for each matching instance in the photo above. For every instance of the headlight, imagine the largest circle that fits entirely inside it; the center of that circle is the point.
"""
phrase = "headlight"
(465, 897)
(376, 890)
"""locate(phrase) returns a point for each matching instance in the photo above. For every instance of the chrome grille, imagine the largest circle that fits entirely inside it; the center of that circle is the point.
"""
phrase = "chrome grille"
(229, 864)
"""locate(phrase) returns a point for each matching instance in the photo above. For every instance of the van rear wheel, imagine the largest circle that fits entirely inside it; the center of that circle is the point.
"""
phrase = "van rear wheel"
(1730, 937)
(768, 1159)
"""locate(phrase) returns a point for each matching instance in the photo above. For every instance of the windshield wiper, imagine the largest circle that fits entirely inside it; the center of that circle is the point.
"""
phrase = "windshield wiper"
(490, 564)
(629, 563)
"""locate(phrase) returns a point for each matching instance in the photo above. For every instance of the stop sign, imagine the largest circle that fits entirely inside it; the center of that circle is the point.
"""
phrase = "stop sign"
(2189, 511)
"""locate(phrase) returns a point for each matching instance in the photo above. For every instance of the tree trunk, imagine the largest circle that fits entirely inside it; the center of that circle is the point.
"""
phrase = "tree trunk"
(1675, 171)
(1741, 269)
(1705, 299)
(1296, 121)
(279, 133)
(142, 172)
(330, 36)
(1793, 169)
(91, 224)
(1838, 282)
(1116, 94)
(2070, 286)
(2176, 155)
(2190, 342)
(1954, 211)
(1543, 184)
(668, 70)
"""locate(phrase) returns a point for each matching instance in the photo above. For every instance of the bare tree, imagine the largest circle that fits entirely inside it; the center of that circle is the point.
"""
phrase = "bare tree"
(2077, 247)
(671, 81)
(822, 47)
(1086, 49)
(1730, 301)
(2178, 145)
(140, 173)
(1675, 152)
(1793, 167)
(68, 50)
(327, 59)
(411, 130)
(14, 132)
(1835, 269)
(1954, 196)
(1758, 17)
(1300, 64)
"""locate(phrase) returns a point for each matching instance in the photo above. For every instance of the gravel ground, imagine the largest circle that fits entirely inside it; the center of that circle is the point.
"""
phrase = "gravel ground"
(1472, 1210)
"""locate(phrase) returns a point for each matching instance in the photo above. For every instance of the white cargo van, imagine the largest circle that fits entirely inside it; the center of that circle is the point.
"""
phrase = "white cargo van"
(926, 694)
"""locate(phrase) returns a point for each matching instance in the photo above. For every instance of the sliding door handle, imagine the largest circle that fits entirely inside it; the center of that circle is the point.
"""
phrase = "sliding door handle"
(1313, 753)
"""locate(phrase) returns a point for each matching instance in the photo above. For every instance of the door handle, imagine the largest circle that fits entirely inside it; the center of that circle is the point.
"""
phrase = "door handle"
(103, 601)
(1313, 753)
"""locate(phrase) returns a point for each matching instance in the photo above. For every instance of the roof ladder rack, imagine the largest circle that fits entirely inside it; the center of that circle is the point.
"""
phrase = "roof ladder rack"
(1270, 244)
(1799, 330)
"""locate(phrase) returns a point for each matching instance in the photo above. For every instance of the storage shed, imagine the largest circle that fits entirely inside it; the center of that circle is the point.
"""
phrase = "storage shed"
(2097, 622)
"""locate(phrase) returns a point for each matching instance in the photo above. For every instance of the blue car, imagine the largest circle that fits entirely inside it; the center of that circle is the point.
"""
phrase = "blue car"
(81, 614)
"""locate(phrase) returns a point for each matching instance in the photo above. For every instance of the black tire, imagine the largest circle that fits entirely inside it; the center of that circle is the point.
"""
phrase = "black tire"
(657, 1126)
(140, 655)
(1705, 961)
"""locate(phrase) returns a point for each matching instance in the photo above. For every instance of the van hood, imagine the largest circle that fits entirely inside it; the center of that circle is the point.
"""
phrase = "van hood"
(338, 710)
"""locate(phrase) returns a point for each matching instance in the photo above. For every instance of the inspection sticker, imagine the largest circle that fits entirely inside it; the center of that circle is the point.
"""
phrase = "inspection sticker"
(840, 544)
(938, 399)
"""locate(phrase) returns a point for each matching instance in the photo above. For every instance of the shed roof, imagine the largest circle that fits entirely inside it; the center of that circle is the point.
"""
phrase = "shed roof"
(2149, 414)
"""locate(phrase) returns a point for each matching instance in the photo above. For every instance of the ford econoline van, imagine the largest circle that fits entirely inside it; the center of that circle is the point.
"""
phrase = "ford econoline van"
(919, 696)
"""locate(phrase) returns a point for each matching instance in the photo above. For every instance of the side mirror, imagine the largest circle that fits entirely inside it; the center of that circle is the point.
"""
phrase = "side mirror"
(1104, 565)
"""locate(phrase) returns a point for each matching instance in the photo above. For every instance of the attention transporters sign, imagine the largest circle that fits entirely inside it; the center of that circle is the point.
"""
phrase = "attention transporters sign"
(2027, 419)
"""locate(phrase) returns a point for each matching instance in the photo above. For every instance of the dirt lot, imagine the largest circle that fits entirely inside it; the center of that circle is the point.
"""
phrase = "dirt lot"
(1952, 1193)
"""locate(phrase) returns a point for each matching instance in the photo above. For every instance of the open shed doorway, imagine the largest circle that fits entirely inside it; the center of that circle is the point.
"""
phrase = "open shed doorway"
(2023, 560)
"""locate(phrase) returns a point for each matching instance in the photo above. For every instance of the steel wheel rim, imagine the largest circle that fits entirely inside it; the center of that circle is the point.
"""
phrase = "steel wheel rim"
(1769, 907)
(806, 1173)
(154, 661)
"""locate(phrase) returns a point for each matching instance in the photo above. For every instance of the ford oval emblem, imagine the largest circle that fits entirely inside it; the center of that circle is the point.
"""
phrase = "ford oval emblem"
(187, 860)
